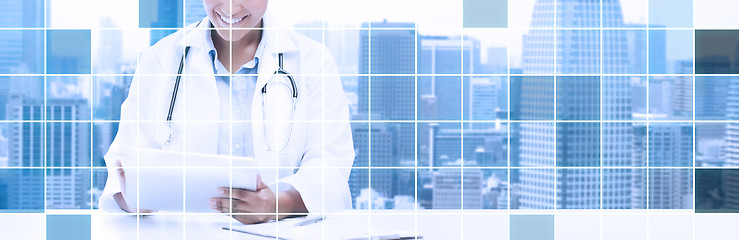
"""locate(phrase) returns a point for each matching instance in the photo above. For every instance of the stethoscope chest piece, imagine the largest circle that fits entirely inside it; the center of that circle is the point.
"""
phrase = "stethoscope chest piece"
(163, 134)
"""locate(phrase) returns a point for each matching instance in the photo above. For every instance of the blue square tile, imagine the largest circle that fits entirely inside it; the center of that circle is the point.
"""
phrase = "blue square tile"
(671, 13)
(68, 227)
(22, 51)
(532, 98)
(28, 89)
(671, 51)
(68, 51)
(21, 190)
(710, 144)
(22, 14)
(716, 191)
(485, 13)
(711, 96)
(716, 51)
(532, 227)
(160, 13)
(578, 144)
(578, 98)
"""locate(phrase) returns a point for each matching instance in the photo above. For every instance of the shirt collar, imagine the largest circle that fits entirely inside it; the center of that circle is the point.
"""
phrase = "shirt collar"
(211, 49)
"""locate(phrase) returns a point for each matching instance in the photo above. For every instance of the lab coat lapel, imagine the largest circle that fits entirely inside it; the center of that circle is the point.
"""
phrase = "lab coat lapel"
(202, 102)
(267, 67)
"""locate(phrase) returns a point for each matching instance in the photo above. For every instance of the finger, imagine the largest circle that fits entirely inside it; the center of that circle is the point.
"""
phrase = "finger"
(146, 211)
(119, 167)
(226, 205)
(251, 219)
(237, 193)
(121, 176)
(260, 184)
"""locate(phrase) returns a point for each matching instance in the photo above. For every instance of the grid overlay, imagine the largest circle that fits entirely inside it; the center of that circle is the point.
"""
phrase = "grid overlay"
(416, 122)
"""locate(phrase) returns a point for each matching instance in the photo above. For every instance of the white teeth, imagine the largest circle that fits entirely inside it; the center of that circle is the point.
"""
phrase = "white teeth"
(231, 20)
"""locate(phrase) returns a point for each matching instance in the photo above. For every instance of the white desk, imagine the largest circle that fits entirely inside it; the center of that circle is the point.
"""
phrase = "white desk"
(432, 224)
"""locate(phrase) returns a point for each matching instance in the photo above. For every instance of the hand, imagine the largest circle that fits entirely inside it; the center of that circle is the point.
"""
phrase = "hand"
(262, 200)
(119, 196)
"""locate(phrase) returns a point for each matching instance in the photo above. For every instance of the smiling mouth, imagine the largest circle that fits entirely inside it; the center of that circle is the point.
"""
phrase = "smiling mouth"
(231, 20)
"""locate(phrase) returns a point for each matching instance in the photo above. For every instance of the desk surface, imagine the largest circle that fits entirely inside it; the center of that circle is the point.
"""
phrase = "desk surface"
(431, 224)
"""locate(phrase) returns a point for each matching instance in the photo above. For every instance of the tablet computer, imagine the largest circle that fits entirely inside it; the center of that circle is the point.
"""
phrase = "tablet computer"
(183, 182)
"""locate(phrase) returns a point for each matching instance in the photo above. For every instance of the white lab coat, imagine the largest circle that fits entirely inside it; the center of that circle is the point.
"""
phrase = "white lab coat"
(320, 152)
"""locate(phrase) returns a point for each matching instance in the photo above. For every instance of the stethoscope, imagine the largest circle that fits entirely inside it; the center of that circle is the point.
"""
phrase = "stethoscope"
(280, 80)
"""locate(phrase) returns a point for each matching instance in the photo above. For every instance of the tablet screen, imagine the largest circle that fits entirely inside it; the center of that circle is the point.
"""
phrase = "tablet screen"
(183, 182)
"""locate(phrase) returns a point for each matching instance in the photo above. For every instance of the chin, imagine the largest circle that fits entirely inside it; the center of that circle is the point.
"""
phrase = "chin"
(226, 34)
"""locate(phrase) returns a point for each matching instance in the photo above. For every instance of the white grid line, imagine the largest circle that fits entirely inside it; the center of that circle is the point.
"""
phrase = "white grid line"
(416, 121)
(415, 128)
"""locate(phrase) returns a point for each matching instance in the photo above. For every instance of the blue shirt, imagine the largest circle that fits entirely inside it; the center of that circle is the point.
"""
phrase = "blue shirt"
(235, 92)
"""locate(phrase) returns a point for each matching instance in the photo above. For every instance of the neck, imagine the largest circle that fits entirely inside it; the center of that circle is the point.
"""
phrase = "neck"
(237, 52)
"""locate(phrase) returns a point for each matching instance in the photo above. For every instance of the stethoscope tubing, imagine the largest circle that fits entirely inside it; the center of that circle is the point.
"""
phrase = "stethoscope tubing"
(280, 71)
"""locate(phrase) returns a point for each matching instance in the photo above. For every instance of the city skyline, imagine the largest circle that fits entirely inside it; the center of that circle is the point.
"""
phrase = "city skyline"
(445, 108)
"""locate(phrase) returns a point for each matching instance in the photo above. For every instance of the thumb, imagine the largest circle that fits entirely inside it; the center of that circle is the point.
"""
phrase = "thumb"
(260, 184)
(119, 168)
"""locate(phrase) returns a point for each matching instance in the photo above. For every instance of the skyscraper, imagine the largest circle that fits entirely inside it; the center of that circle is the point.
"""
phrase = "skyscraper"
(389, 51)
(483, 101)
(578, 98)
(670, 145)
(25, 189)
(448, 55)
(65, 144)
(449, 149)
(451, 185)
(381, 155)
(22, 50)
(732, 145)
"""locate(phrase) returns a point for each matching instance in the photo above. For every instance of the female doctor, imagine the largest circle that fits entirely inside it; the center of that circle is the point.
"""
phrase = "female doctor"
(220, 107)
